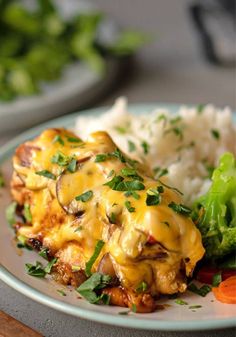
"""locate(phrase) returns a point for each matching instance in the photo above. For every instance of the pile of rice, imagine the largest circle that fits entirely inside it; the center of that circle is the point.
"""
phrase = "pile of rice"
(185, 146)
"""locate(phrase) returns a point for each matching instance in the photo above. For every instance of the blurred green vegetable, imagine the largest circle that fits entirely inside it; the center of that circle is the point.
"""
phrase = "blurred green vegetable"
(217, 210)
(36, 45)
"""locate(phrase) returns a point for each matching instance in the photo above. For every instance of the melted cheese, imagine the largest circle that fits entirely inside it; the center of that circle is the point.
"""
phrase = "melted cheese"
(52, 200)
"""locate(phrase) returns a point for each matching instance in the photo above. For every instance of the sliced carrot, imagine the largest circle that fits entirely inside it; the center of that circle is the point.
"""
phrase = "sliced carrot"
(226, 292)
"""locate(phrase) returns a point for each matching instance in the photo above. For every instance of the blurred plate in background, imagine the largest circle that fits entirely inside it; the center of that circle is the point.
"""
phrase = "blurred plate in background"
(78, 86)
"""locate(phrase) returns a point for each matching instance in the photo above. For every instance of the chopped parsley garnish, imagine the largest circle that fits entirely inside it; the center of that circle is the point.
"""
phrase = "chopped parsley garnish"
(153, 197)
(27, 213)
(202, 291)
(49, 266)
(200, 108)
(2, 183)
(131, 146)
(22, 242)
(71, 139)
(142, 287)
(131, 172)
(72, 165)
(36, 271)
(94, 257)
(195, 306)
(161, 172)
(145, 146)
(84, 196)
(117, 154)
(111, 174)
(160, 189)
(78, 229)
(44, 253)
(46, 174)
(180, 302)
(176, 130)
(215, 133)
(134, 307)
(161, 117)
(112, 218)
(11, 213)
(118, 184)
(133, 194)
(179, 208)
(101, 157)
(58, 139)
(216, 280)
(95, 283)
(121, 129)
(61, 292)
(170, 187)
(60, 159)
(129, 207)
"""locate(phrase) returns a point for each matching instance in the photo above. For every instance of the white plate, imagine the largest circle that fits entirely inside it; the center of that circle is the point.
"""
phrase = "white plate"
(211, 315)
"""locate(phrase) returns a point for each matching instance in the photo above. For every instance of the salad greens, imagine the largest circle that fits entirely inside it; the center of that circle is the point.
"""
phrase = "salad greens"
(37, 43)
(217, 210)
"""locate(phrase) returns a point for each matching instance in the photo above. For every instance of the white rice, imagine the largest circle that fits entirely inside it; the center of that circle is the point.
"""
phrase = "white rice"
(185, 146)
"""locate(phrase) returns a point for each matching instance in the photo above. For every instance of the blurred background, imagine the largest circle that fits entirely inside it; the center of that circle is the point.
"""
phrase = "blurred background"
(62, 56)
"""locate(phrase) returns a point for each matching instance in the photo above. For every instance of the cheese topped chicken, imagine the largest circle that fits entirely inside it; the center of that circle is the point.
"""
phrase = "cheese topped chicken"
(100, 213)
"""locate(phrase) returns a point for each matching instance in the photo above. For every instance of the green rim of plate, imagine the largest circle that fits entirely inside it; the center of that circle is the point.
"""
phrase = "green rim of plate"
(123, 321)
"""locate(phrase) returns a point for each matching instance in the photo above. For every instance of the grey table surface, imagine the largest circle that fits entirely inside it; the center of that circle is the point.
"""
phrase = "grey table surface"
(169, 70)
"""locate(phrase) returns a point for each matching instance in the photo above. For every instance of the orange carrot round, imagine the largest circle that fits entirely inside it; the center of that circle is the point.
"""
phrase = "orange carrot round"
(226, 291)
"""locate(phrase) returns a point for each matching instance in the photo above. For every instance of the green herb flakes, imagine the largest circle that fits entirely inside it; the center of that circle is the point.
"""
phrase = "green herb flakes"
(46, 174)
(72, 165)
(22, 242)
(61, 292)
(96, 282)
(200, 108)
(27, 213)
(202, 291)
(215, 133)
(180, 208)
(58, 139)
(11, 213)
(71, 139)
(78, 229)
(101, 157)
(180, 302)
(35, 270)
(60, 159)
(195, 306)
(112, 218)
(121, 129)
(216, 280)
(133, 308)
(94, 257)
(2, 183)
(129, 207)
(118, 184)
(49, 266)
(153, 197)
(131, 146)
(146, 147)
(44, 253)
(84, 196)
(142, 287)
(133, 194)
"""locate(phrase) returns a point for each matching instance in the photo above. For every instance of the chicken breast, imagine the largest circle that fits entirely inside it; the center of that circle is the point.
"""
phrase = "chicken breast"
(81, 193)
